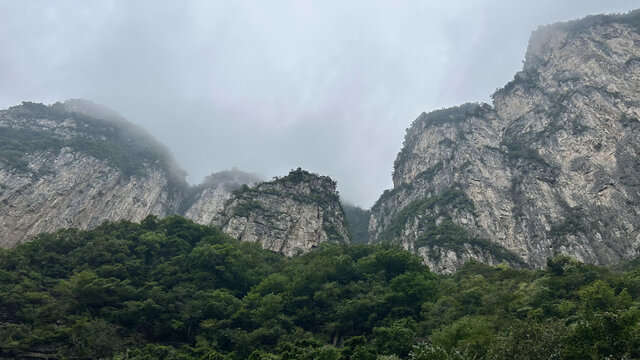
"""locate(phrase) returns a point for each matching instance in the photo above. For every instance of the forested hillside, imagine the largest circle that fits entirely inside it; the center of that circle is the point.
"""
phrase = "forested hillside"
(172, 289)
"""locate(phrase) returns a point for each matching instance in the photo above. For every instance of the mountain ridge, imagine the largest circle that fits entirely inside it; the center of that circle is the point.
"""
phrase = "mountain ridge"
(550, 167)
(79, 164)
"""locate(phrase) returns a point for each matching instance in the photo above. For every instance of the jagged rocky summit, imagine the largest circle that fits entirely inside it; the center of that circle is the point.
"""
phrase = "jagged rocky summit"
(78, 164)
(553, 166)
(291, 215)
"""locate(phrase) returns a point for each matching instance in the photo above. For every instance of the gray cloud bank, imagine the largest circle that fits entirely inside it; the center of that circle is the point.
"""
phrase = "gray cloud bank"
(268, 86)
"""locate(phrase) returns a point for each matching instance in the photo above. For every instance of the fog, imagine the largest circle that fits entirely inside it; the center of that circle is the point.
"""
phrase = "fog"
(269, 86)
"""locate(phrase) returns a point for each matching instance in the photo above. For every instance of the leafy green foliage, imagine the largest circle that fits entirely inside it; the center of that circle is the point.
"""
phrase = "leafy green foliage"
(518, 150)
(172, 289)
(331, 230)
(631, 18)
(431, 172)
(245, 208)
(572, 224)
(449, 198)
(455, 114)
(437, 227)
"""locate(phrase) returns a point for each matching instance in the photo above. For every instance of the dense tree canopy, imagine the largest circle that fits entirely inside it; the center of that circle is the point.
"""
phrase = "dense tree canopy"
(172, 289)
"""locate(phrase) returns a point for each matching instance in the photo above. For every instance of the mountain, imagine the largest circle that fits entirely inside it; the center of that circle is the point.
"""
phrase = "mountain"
(552, 166)
(291, 215)
(62, 167)
(78, 164)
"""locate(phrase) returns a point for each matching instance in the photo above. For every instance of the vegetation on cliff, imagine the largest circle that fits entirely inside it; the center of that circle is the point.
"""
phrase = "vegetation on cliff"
(173, 289)
(321, 189)
(120, 143)
(358, 223)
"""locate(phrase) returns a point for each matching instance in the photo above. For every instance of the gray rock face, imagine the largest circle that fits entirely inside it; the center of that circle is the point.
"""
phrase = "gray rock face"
(76, 164)
(61, 168)
(291, 215)
(553, 166)
(207, 199)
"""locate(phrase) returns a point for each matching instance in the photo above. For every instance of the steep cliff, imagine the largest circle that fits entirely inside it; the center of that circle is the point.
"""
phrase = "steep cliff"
(76, 164)
(553, 166)
(291, 215)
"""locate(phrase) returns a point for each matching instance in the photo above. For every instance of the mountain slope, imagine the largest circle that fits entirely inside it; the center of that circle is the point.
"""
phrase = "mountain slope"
(78, 164)
(291, 215)
(60, 166)
(553, 166)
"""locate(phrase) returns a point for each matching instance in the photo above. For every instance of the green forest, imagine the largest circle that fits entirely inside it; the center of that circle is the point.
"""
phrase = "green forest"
(172, 289)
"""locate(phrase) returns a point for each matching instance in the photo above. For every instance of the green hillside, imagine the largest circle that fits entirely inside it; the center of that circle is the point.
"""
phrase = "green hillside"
(172, 289)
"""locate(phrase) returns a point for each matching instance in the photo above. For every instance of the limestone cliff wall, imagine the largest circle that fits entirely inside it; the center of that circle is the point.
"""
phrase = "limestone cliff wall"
(77, 191)
(60, 168)
(77, 164)
(553, 166)
(291, 215)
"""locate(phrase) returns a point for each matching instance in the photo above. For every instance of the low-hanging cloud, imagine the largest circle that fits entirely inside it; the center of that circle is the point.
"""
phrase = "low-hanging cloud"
(329, 86)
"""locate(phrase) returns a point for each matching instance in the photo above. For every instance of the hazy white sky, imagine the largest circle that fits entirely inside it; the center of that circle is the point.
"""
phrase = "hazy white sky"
(269, 86)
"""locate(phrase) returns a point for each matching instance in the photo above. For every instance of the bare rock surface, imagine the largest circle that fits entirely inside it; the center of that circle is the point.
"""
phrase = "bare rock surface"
(552, 166)
(61, 167)
(206, 200)
(78, 164)
(291, 215)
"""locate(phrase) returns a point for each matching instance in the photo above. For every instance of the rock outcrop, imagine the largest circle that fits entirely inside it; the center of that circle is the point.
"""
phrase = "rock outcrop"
(60, 167)
(206, 200)
(553, 166)
(357, 222)
(291, 215)
(77, 164)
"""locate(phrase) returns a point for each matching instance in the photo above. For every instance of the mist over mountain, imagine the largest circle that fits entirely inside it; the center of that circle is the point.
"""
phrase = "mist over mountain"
(549, 167)
(328, 86)
(78, 164)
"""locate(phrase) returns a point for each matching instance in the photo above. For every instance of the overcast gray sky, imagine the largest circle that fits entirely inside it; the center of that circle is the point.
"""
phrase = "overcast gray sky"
(269, 86)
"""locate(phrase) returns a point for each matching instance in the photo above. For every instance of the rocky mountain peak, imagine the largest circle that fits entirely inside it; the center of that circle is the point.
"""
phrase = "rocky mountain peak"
(292, 214)
(551, 167)
(84, 127)
(62, 167)
(78, 164)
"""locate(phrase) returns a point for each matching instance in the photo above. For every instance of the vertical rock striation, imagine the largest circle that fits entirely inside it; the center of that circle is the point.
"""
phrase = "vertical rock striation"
(291, 215)
(553, 166)
(62, 167)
